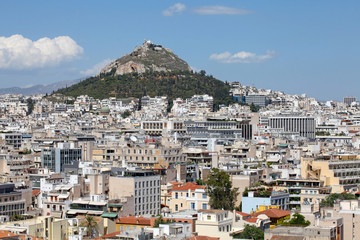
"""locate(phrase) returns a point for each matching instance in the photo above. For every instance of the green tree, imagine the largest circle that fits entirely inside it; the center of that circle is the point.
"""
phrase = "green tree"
(126, 114)
(222, 194)
(30, 104)
(199, 181)
(91, 225)
(251, 232)
(332, 198)
(254, 108)
(298, 219)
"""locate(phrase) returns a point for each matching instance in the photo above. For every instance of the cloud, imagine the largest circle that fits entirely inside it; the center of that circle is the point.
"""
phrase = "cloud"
(177, 8)
(241, 57)
(96, 68)
(220, 10)
(18, 52)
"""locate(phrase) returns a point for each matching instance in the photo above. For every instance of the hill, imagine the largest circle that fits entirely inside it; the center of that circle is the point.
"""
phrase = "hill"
(172, 84)
(148, 57)
(150, 70)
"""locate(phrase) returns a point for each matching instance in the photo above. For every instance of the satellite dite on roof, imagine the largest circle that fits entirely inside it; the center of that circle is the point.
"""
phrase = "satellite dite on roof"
(133, 138)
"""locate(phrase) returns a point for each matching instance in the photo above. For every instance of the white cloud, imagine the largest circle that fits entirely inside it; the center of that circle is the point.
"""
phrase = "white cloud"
(177, 8)
(241, 57)
(96, 68)
(18, 52)
(220, 10)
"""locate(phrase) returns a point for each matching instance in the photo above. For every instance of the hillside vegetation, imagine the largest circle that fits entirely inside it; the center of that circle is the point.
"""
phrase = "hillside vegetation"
(179, 84)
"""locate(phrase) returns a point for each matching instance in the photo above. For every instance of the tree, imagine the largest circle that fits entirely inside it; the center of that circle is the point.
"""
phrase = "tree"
(91, 225)
(254, 108)
(199, 181)
(298, 219)
(251, 232)
(126, 114)
(219, 188)
(332, 198)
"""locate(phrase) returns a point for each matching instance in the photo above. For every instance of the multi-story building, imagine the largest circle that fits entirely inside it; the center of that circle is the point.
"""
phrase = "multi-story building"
(341, 175)
(303, 190)
(11, 201)
(235, 129)
(56, 158)
(144, 186)
(189, 196)
(349, 100)
(304, 126)
(12, 139)
(215, 223)
(151, 155)
(253, 201)
(259, 100)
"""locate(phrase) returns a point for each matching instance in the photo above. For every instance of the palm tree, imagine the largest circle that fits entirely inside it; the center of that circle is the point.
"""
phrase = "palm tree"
(91, 225)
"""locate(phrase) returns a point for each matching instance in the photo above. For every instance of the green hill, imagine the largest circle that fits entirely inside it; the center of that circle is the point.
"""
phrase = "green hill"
(176, 84)
(150, 70)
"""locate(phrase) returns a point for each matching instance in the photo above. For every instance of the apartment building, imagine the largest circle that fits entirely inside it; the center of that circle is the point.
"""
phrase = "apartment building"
(11, 201)
(189, 196)
(304, 126)
(56, 158)
(144, 186)
(151, 155)
(254, 200)
(214, 223)
(341, 175)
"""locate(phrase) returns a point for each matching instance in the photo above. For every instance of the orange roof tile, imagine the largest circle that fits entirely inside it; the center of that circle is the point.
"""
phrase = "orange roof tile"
(273, 213)
(252, 220)
(134, 220)
(35, 192)
(110, 235)
(188, 186)
(4, 234)
(242, 214)
(202, 238)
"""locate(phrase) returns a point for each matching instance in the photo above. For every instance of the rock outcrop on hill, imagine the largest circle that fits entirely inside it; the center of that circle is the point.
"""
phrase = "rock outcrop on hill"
(148, 57)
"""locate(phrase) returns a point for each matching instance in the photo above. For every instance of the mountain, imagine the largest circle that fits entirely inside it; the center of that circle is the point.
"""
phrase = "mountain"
(150, 70)
(148, 57)
(38, 89)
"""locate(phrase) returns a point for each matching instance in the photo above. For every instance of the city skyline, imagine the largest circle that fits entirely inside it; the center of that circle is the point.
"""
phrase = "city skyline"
(304, 47)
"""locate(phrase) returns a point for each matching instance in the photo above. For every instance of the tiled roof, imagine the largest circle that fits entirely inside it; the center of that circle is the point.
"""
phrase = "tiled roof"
(202, 238)
(188, 186)
(242, 214)
(252, 220)
(273, 213)
(110, 235)
(35, 192)
(134, 220)
(9, 235)
(5, 234)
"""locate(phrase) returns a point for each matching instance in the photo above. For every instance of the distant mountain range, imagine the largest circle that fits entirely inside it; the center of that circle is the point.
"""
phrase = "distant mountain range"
(39, 89)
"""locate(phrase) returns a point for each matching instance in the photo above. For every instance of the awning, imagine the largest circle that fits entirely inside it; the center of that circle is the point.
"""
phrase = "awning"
(109, 215)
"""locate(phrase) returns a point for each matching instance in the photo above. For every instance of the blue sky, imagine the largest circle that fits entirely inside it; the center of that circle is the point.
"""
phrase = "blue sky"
(294, 46)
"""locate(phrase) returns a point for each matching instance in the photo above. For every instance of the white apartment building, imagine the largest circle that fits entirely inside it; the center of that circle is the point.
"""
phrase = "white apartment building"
(144, 186)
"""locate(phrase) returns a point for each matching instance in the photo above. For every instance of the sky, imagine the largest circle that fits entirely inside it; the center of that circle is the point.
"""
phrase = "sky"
(296, 47)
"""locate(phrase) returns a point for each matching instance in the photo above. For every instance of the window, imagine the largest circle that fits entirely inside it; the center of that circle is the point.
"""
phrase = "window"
(192, 205)
(176, 207)
(204, 206)
(204, 195)
(208, 217)
(176, 195)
